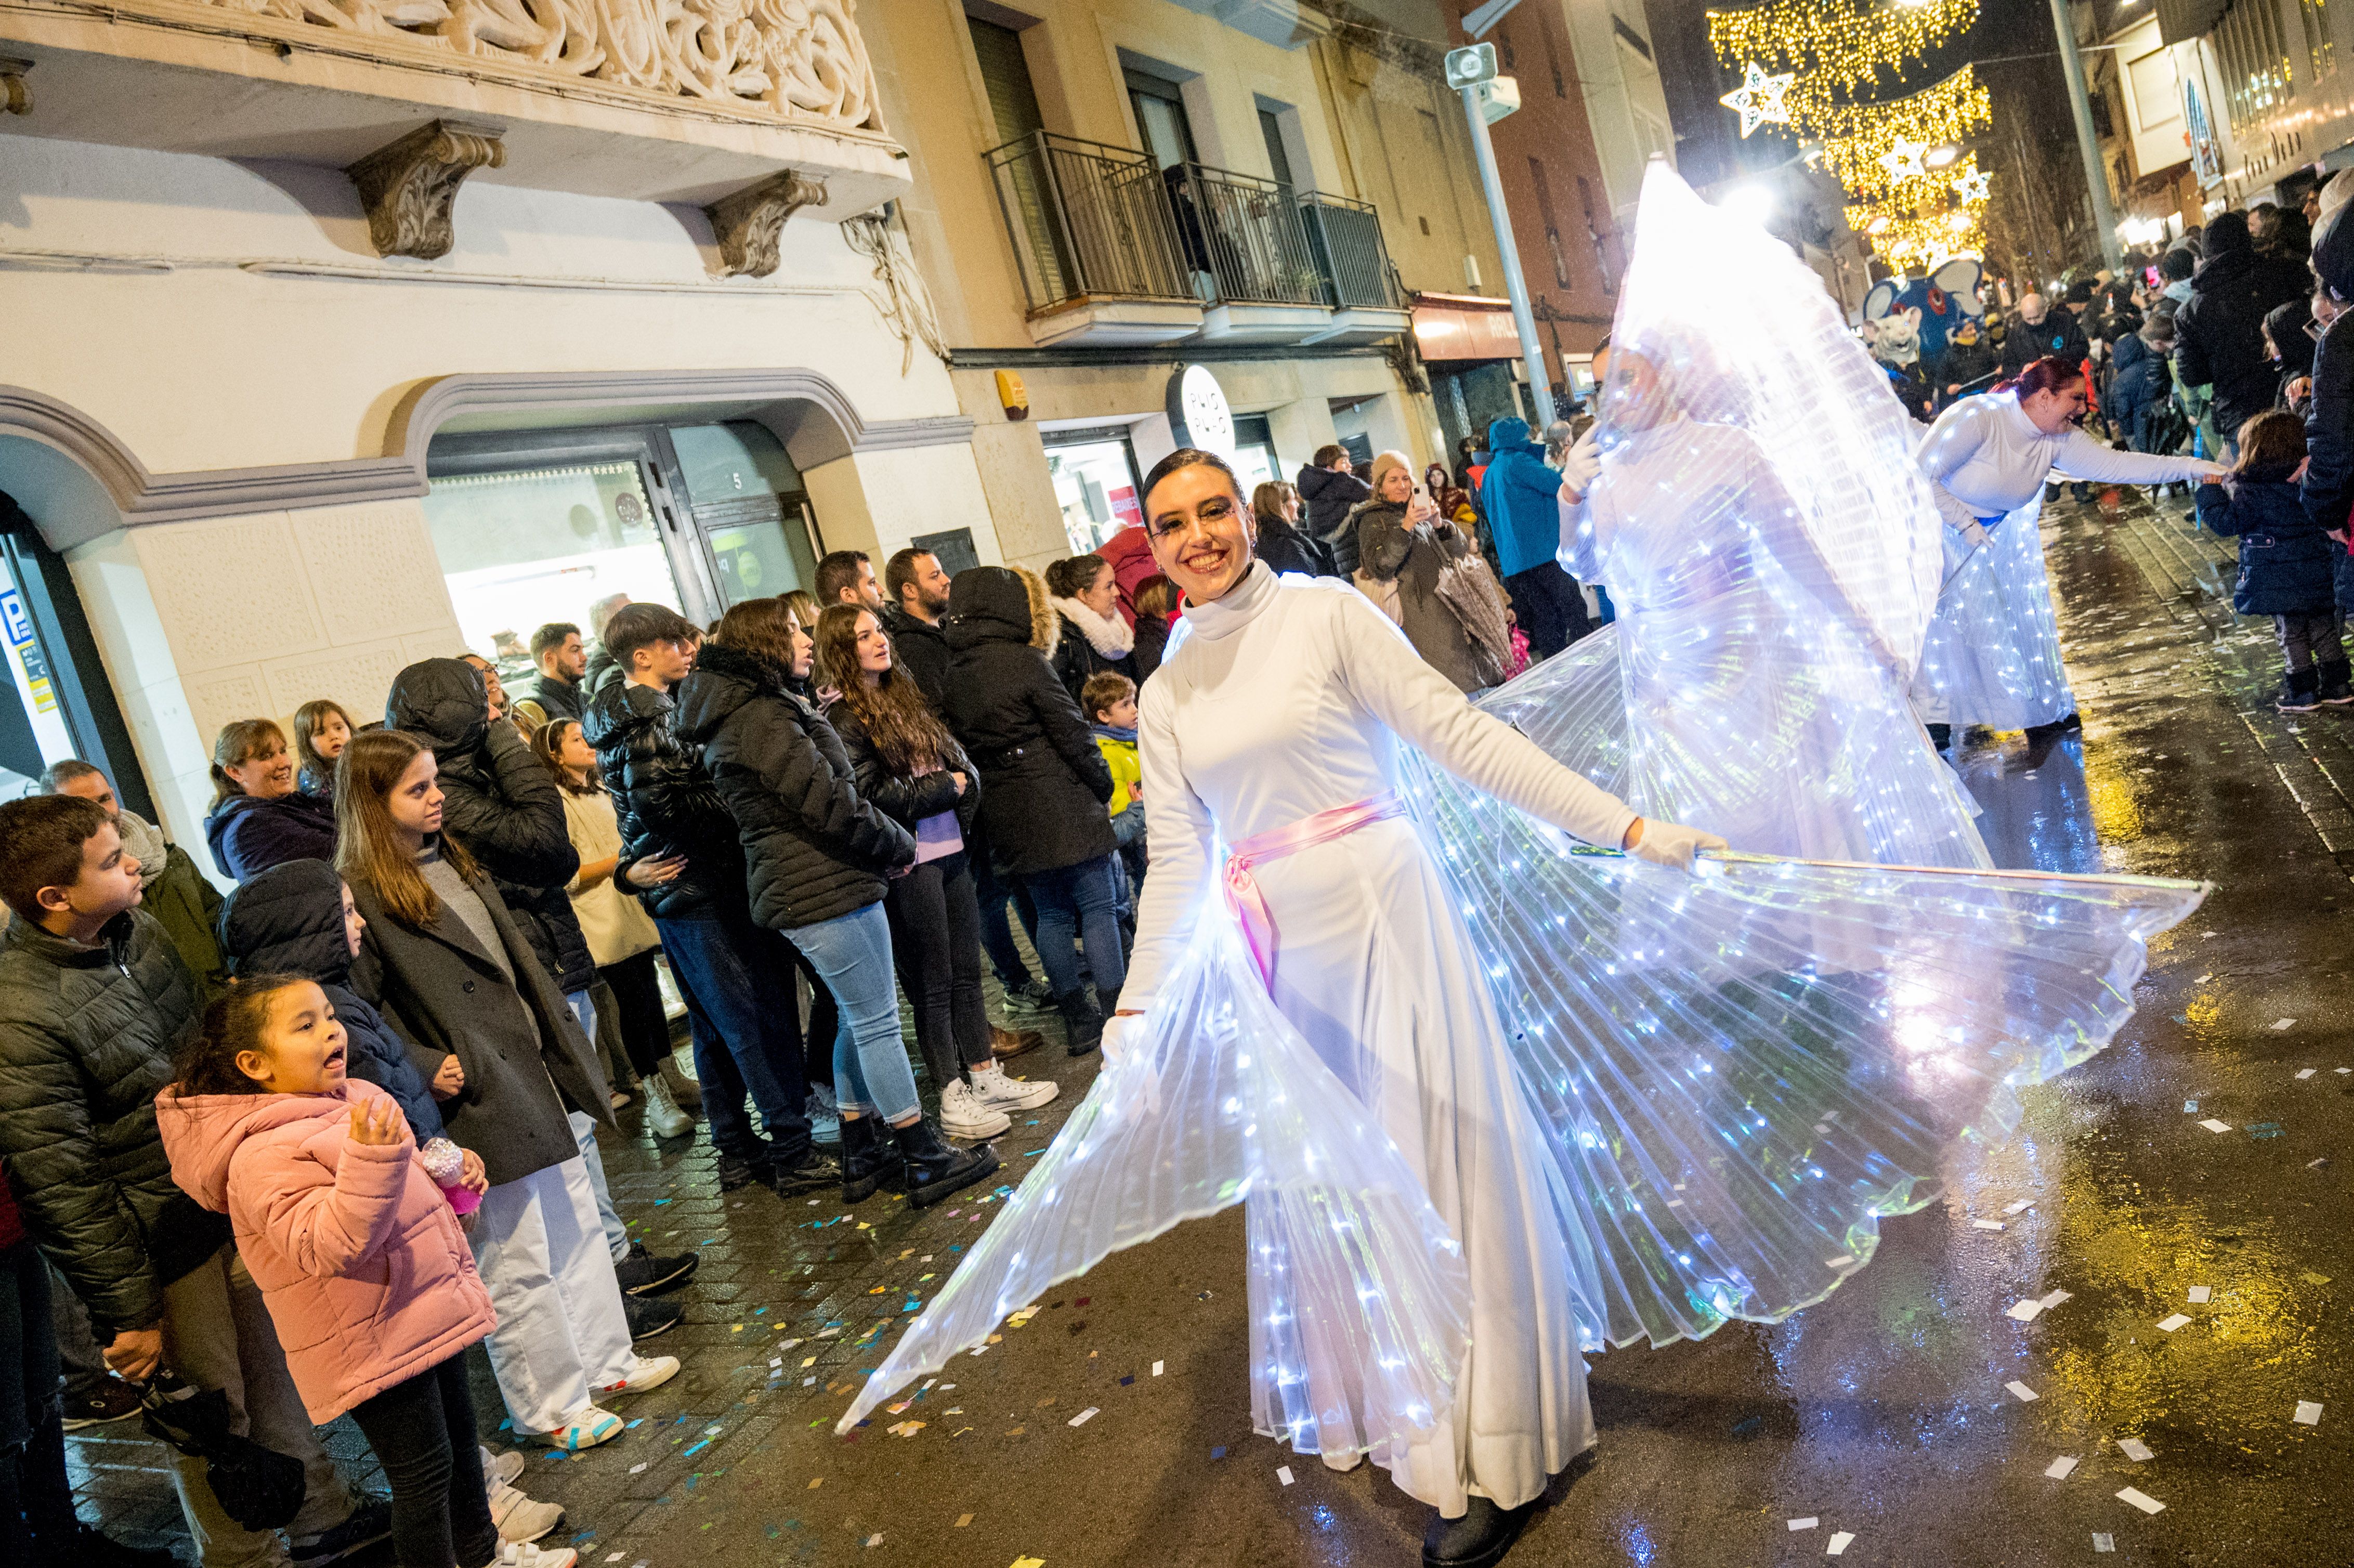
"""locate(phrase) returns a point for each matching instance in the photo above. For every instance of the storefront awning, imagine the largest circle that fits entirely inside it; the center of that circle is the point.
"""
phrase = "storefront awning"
(1464, 326)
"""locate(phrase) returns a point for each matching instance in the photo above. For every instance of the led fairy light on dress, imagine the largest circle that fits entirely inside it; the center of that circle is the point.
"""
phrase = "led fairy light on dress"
(1775, 555)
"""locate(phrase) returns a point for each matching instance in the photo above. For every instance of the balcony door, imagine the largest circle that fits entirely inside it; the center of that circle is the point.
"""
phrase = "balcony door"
(1160, 119)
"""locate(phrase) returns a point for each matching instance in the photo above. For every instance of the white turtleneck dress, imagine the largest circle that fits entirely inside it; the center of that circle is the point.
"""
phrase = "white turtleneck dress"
(1992, 653)
(1290, 697)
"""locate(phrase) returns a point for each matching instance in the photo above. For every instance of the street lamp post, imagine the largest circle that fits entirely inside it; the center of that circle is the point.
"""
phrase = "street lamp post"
(1472, 72)
(2096, 179)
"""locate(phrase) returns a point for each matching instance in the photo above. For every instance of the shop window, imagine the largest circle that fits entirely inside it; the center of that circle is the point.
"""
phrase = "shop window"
(749, 506)
(1096, 486)
(521, 549)
(1254, 460)
(57, 702)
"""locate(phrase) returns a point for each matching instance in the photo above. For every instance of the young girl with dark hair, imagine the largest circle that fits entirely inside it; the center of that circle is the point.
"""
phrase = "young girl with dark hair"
(620, 933)
(503, 1055)
(322, 730)
(357, 1249)
(260, 817)
(906, 764)
(2286, 561)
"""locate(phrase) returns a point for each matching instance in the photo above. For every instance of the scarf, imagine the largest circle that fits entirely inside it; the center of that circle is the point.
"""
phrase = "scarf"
(1113, 732)
(143, 840)
(1112, 639)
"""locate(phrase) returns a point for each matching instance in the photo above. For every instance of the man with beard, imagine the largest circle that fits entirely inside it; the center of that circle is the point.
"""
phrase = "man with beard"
(916, 593)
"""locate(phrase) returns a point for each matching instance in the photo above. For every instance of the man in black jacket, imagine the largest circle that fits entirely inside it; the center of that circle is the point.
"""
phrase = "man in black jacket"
(94, 1003)
(681, 852)
(2220, 330)
(504, 806)
(558, 690)
(1331, 489)
(918, 592)
(2038, 332)
(2329, 418)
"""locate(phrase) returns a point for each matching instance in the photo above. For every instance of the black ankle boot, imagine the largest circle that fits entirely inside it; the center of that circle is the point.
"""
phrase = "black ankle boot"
(1941, 736)
(2337, 682)
(1479, 1540)
(869, 1160)
(1082, 1022)
(935, 1167)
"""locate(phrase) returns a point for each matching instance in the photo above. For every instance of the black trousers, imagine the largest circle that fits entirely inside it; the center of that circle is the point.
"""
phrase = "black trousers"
(423, 1434)
(638, 1006)
(935, 946)
(1550, 609)
(36, 1499)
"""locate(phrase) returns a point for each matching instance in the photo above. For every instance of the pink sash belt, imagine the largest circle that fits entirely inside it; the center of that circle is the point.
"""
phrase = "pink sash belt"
(1243, 896)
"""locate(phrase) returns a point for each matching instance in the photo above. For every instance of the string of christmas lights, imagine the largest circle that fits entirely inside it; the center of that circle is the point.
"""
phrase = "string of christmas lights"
(1849, 44)
(1831, 55)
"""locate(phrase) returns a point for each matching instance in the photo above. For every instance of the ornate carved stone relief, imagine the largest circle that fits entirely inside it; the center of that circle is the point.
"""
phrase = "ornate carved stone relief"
(797, 60)
(748, 223)
(905, 302)
(408, 186)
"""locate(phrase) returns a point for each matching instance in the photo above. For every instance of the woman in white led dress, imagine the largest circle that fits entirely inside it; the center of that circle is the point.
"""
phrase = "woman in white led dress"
(1491, 1091)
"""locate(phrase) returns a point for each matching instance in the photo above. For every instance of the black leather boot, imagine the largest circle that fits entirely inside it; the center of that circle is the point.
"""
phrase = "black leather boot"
(869, 1160)
(1082, 1022)
(935, 1167)
(1941, 736)
(1479, 1540)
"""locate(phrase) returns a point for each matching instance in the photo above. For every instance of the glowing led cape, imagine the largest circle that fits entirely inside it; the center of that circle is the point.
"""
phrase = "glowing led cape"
(1992, 656)
(1774, 553)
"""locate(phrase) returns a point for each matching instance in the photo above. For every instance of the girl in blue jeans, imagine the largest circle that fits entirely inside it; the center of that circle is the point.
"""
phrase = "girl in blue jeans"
(818, 860)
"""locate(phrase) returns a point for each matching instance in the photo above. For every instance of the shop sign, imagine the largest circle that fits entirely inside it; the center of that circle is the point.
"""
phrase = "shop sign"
(12, 615)
(1198, 414)
(1454, 332)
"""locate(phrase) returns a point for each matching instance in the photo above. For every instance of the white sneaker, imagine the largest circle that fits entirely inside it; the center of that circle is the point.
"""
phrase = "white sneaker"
(585, 1429)
(501, 1469)
(515, 1554)
(963, 1113)
(645, 1373)
(519, 1517)
(1002, 1091)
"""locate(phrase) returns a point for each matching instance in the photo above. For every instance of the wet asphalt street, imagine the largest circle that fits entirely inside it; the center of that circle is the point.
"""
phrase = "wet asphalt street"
(1882, 1413)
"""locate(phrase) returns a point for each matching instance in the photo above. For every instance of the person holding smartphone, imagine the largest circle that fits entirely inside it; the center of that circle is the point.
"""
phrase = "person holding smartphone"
(1404, 547)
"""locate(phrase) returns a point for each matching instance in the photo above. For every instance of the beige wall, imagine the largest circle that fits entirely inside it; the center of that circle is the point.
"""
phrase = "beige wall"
(201, 623)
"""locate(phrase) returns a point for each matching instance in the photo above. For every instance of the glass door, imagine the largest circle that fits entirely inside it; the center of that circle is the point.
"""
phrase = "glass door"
(1095, 482)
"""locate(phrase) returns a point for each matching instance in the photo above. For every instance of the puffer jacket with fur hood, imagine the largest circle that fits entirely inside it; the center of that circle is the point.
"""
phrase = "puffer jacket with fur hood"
(365, 1269)
(1044, 784)
(502, 804)
(815, 849)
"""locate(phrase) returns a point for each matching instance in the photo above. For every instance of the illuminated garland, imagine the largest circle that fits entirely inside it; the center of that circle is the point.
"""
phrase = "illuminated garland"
(1839, 46)
(1857, 137)
(1832, 55)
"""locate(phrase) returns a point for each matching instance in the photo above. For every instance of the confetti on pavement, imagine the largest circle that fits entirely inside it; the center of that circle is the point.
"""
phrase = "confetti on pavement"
(1283, 1474)
(2167, 1325)
(1838, 1543)
(2134, 1448)
(2212, 1124)
(2021, 1392)
(1807, 1523)
(2308, 1414)
(2141, 1500)
(2201, 1293)
(2060, 1469)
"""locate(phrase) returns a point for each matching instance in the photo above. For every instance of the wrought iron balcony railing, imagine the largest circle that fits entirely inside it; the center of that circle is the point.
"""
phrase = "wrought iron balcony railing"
(1091, 221)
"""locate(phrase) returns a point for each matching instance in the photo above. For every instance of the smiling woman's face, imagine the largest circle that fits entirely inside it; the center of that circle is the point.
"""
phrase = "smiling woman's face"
(1201, 531)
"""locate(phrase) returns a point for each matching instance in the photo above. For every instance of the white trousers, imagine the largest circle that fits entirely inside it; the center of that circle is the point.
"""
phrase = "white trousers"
(562, 1335)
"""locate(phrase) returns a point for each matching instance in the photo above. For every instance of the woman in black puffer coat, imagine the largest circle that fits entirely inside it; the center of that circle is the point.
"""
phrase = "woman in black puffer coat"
(816, 856)
(1044, 784)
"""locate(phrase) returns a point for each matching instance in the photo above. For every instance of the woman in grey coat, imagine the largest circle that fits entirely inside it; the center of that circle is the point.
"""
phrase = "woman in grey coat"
(499, 1047)
(1402, 543)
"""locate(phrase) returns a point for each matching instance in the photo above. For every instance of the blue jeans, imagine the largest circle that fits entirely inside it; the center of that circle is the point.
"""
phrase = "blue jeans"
(583, 1133)
(853, 955)
(991, 891)
(746, 1022)
(1079, 903)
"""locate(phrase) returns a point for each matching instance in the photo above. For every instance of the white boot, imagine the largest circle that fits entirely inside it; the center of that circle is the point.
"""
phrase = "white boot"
(663, 1112)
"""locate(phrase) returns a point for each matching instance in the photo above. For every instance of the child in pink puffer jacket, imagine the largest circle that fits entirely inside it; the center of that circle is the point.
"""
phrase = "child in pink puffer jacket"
(363, 1265)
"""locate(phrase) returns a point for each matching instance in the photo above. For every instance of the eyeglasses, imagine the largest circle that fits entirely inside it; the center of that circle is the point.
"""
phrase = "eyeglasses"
(2314, 330)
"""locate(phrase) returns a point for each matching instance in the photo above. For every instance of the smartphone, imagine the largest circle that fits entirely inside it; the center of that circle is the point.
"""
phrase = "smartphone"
(2149, 276)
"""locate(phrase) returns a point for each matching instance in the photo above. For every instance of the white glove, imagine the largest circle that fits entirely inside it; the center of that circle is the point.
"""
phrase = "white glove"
(1578, 467)
(1122, 1033)
(1973, 534)
(2212, 472)
(1669, 844)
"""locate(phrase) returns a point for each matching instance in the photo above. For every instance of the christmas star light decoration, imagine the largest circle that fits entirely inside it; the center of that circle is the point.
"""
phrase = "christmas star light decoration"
(1902, 161)
(1972, 186)
(1758, 99)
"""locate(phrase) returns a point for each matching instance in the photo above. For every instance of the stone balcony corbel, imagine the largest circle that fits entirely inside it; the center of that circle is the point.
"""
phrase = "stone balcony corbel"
(15, 92)
(746, 223)
(409, 186)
